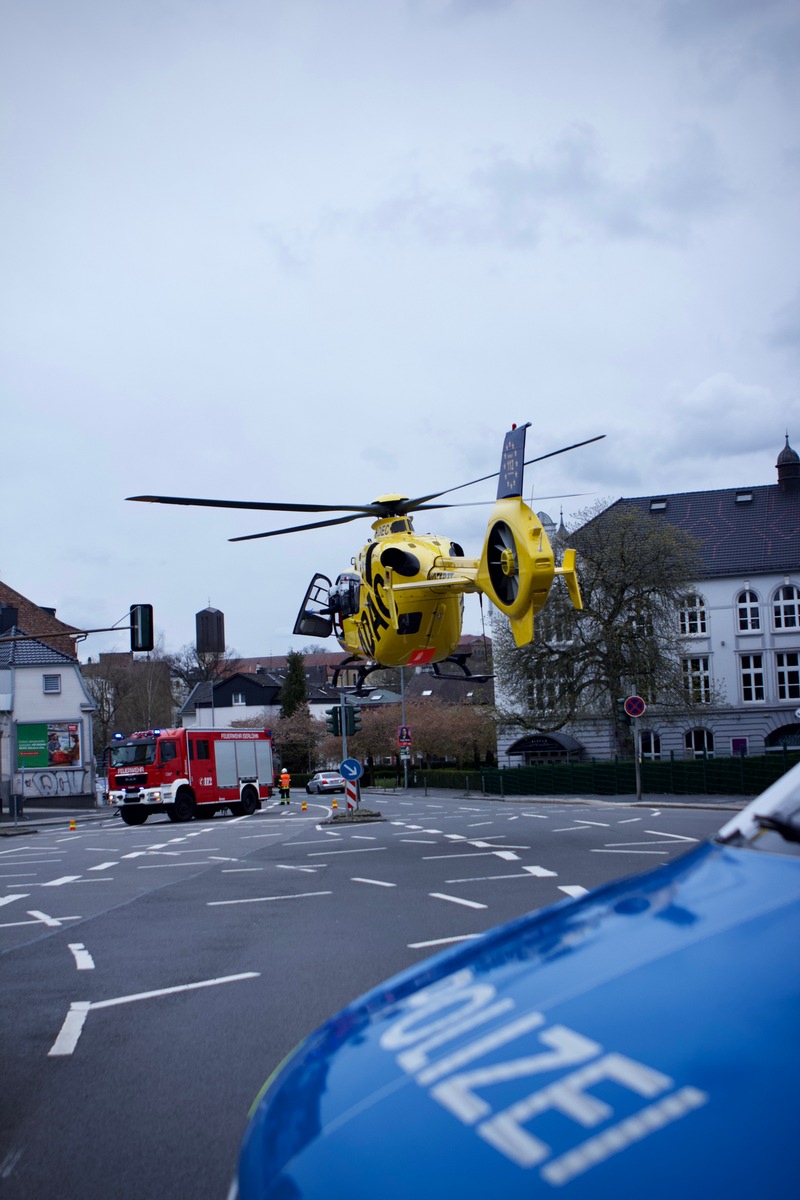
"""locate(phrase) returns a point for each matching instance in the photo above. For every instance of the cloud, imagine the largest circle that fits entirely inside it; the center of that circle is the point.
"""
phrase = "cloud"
(570, 189)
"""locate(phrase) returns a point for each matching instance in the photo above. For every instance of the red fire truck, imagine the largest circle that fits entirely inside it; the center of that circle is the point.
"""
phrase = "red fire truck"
(190, 772)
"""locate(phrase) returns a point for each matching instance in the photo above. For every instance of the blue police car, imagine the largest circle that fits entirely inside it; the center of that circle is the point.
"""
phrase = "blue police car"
(639, 1041)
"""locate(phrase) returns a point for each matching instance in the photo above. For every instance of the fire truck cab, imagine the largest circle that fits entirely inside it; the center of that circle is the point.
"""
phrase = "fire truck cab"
(190, 772)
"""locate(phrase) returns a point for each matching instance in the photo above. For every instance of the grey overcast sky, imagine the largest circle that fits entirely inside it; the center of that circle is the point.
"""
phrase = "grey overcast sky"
(319, 250)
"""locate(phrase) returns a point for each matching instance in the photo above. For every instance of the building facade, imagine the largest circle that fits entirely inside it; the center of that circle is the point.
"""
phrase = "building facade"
(739, 625)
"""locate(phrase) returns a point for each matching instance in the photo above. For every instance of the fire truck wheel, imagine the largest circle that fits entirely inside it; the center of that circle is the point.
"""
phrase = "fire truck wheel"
(134, 816)
(249, 802)
(184, 806)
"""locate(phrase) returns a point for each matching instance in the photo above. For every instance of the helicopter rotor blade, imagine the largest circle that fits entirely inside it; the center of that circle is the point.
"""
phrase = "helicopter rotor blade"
(265, 505)
(412, 505)
(250, 537)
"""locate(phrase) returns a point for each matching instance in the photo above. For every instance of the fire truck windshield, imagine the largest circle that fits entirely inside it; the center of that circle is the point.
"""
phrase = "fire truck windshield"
(133, 754)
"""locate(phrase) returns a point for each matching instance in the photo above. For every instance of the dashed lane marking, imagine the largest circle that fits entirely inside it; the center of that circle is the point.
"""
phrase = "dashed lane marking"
(83, 959)
(265, 899)
(375, 882)
(573, 889)
(464, 937)
(457, 900)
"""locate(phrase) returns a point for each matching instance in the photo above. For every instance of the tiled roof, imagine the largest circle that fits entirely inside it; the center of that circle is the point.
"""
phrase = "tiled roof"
(39, 622)
(742, 531)
(30, 653)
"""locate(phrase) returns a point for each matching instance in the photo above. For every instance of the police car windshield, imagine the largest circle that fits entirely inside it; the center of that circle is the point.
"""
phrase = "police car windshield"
(772, 822)
(134, 754)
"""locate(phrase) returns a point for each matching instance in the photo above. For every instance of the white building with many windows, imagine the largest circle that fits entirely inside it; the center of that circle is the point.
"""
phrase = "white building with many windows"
(740, 625)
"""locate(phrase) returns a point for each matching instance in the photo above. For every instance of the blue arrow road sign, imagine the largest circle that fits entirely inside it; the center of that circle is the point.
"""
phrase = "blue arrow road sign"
(351, 768)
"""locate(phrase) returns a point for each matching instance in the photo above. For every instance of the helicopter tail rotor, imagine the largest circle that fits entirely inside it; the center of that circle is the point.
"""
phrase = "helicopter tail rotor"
(517, 565)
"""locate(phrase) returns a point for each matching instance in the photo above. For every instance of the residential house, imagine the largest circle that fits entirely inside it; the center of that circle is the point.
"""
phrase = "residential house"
(45, 710)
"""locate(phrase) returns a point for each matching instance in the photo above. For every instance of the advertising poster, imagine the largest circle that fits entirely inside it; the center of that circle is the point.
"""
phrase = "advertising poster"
(51, 744)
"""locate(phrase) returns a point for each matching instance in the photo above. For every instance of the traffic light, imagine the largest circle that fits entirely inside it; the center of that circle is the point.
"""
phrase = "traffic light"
(352, 718)
(622, 716)
(333, 721)
(142, 627)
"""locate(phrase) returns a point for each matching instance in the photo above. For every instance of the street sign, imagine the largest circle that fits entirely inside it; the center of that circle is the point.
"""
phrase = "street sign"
(404, 735)
(351, 768)
(405, 753)
(635, 706)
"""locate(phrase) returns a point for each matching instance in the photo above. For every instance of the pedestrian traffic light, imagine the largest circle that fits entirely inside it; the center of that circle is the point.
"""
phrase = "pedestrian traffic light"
(622, 716)
(142, 627)
(333, 721)
(352, 718)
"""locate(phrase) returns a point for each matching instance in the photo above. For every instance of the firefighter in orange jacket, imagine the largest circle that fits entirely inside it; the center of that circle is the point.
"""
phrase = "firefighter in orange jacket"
(285, 782)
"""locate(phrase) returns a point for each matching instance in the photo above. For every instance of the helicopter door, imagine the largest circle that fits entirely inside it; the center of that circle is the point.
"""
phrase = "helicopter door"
(314, 618)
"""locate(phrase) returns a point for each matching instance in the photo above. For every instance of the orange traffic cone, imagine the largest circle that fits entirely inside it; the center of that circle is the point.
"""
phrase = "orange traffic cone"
(304, 806)
(334, 803)
(72, 824)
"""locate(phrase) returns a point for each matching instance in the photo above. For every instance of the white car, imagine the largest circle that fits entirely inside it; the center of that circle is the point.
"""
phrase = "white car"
(325, 781)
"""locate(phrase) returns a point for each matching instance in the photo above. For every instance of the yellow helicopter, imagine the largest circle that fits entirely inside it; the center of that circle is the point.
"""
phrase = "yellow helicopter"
(402, 604)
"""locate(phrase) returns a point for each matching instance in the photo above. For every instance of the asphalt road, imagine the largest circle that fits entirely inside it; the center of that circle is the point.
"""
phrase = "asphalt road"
(153, 977)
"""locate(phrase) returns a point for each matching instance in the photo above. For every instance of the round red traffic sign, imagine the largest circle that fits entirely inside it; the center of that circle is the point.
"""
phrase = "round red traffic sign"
(635, 706)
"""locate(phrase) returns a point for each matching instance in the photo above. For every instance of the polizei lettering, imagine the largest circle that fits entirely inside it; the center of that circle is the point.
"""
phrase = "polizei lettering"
(430, 1043)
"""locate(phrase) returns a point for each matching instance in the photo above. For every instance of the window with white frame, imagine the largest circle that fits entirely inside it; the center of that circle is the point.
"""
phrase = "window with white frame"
(747, 610)
(651, 744)
(692, 616)
(697, 679)
(786, 607)
(699, 743)
(238, 698)
(751, 673)
(51, 684)
(788, 666)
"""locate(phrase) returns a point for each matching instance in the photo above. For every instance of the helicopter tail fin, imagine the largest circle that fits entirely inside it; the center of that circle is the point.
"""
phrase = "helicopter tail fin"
(567, 569)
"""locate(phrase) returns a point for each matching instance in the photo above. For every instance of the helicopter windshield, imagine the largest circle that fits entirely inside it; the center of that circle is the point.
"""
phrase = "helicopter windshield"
(133, 754)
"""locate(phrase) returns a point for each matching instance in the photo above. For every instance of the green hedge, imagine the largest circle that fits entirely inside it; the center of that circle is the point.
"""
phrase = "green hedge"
(740, 776)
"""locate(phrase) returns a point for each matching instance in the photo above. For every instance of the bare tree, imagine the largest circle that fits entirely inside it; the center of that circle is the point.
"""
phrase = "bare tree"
(633, 573)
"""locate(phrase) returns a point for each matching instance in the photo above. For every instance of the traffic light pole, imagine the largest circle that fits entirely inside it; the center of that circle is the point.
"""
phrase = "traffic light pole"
(343, 720)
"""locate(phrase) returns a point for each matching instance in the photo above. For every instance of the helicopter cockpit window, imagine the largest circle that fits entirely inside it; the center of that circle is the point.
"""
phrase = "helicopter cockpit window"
(399, 527)
(346, 595)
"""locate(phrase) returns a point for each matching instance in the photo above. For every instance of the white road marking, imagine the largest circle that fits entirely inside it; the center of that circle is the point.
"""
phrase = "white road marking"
(457, 900)
(162, 866)
(604, 824)
(629, 820)
(508, 855)
(650, 842)
(10, 899)
(464, 937)
(83, 959)
(360, 850)
(9, 1162)
(20, 875)
(418, 841)
(290, 867)
(376, 882)
(79, 1010)
(264, 899)
(540, 872)
(573, 889)
(70, 839)
(103, 866)
(477, 824)
(679, 837)
(239, 870)
(628, 851)
(52, 922)
(571, 829)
